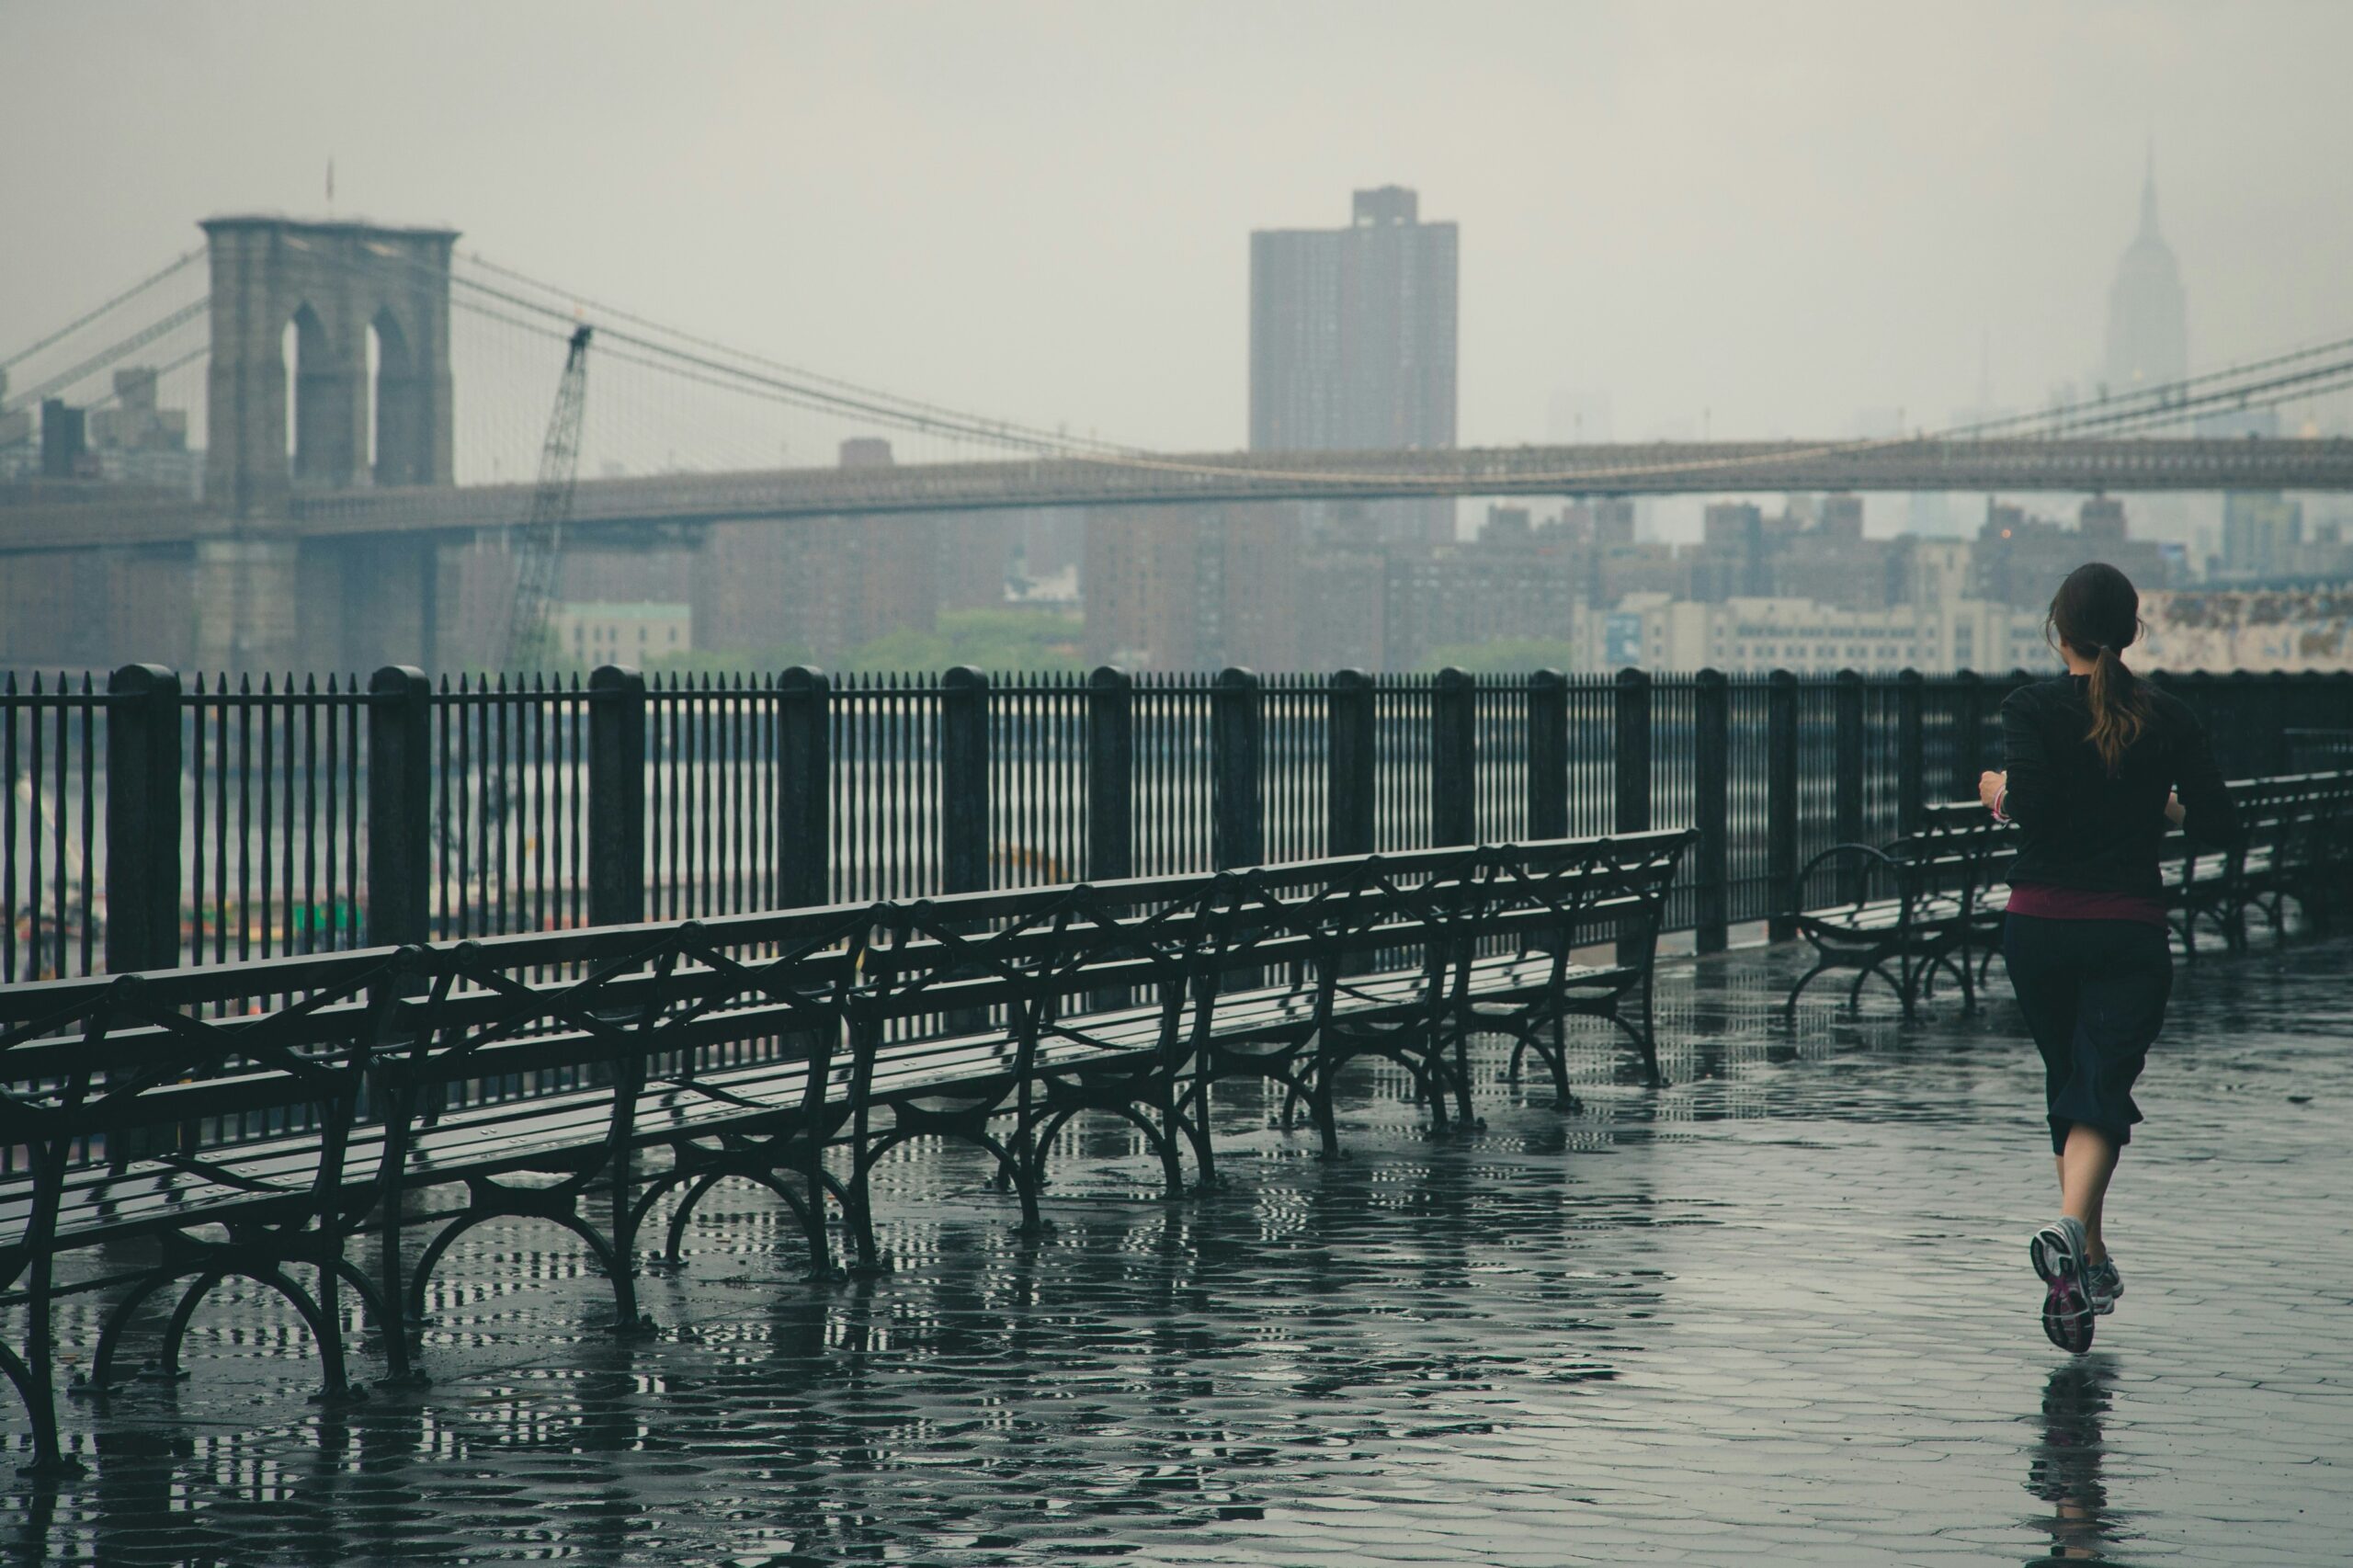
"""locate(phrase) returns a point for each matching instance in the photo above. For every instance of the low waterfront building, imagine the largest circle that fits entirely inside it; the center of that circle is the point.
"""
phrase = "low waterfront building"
(620, 633)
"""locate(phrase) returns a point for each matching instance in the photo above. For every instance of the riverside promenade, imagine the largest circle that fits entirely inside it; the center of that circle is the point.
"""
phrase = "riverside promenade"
(1779, 1311)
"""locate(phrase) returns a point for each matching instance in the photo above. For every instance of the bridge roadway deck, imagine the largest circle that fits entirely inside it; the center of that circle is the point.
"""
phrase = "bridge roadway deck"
(2014, 466)
(1778, 1312)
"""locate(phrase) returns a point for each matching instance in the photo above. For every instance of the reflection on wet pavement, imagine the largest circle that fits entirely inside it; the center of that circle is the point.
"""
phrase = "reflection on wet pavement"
(1779, 1311)
(2065, 1469)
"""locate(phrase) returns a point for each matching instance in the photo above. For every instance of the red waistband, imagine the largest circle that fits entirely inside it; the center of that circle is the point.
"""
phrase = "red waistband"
(2043, 901)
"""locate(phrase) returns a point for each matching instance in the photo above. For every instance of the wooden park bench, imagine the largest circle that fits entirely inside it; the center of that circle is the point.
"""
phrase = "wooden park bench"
(1920, 902)
(2298, 845)
(1932, 903)
(252, 1119)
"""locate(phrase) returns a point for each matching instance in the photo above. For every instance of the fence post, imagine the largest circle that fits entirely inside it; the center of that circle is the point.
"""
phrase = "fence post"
(964, 781)
(400, 806)
(1910, 762)
(2281, 707)
(1968, 734)
(2231, 717)
(2243, 700)
(804, 873)
(616, 796)
(1633, 746)
(1712, 805)
(1454, 798)
(1349, 759)
(2246, 704)
(1548, 754)
(142, 825)
(2169, 683)
(2312, 713)
(1781, 799)
(2224, 719)
(2257, 710)
(1239, 830)
(1110, 775)
(1848, 768)
(2196, 688)
(2285, 707)
(2301, 714)
(143, 837)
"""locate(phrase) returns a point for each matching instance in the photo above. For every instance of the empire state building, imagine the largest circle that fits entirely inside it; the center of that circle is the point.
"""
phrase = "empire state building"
(2147, 337)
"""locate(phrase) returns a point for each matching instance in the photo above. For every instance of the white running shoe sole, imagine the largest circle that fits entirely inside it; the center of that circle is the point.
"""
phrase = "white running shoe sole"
(2057, 1254)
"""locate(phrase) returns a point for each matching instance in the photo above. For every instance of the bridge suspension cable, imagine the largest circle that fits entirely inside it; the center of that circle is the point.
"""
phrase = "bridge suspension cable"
(801, 375)
(2113, 413)
(2242, 385)
(2237, 386)
(695, 358)
(78, 322)
(113, 395)
(2167, 401)
(702, 360)
(2268, 393)
(2110, 413)
(802, 390)
(114, 351)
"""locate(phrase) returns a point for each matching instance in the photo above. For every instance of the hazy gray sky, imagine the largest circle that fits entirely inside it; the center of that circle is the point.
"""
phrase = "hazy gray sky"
(1781, 213)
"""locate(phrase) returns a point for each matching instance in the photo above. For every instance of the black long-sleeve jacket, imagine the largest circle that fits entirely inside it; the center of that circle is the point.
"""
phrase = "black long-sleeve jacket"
(2081, 828)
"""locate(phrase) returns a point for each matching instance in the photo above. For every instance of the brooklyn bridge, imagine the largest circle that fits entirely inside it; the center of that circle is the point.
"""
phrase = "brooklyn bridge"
(331, 505)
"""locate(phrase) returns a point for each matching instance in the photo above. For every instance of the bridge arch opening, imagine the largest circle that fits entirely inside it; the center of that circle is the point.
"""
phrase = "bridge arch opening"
(290, 360)
(399, 449)
(320, 394)
(372, 369)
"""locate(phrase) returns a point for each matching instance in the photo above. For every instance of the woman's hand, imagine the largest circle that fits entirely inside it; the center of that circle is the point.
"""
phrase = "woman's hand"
(2174, 811)
(1990, 786)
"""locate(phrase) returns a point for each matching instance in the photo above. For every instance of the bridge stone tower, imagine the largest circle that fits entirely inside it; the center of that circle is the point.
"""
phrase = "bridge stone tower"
(336, 284)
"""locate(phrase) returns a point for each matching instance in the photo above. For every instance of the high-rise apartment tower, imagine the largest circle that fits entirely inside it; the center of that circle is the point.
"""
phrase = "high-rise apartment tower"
(1352, 341)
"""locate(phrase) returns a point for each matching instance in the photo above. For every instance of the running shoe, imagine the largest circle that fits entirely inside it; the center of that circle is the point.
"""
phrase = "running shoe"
(2107, 1284)
(2057, 1251)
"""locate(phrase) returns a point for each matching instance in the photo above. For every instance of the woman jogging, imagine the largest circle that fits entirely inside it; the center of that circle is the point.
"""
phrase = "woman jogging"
(2097, 764)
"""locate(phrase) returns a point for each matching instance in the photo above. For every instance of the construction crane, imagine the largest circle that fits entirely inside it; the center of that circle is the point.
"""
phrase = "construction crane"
(539, 539)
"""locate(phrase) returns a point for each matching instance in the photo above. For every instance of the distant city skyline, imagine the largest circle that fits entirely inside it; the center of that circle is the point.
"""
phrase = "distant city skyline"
(1672, 211)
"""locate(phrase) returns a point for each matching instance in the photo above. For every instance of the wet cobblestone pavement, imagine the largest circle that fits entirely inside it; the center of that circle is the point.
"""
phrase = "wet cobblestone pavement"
(1779, 1312)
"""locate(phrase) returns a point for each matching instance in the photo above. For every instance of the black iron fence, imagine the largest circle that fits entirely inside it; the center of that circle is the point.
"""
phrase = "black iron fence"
(2320, 751)
(155, 823)
(50, 738)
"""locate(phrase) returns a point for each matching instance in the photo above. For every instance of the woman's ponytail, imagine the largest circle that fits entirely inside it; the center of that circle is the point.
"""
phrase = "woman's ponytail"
(2119, 708)
(2096, 613)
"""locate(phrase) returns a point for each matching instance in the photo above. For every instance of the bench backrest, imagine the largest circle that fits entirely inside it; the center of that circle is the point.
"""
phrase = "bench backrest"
(1962, 850)
(1339, 916)
(2297, 818)
(217, 1053)
(87, 1057)
(1558, 895)
(2305, 819)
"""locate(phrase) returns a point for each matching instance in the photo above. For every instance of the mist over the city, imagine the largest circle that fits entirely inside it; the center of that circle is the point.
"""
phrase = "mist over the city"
(798, 783)
(825, 235)
(1762, 220)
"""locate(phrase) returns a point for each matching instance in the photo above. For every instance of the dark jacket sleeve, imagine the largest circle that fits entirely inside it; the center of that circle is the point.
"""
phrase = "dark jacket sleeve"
(2208, 814)
(2028, 797)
